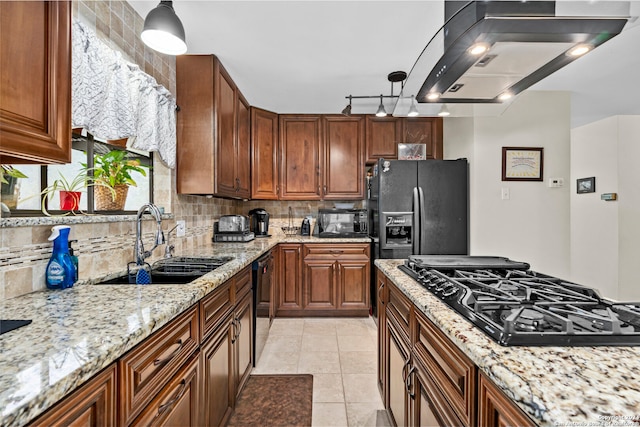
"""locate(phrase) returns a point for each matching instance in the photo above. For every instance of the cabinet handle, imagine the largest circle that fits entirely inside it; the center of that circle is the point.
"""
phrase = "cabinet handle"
(171, 356)
(409, 384)
(235, 328)
(166, 406)
(318, 192)
(239, 329)
(325, 189)
(379, 295)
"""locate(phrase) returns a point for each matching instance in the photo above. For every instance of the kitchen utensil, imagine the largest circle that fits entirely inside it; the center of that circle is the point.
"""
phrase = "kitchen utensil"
(140, 274)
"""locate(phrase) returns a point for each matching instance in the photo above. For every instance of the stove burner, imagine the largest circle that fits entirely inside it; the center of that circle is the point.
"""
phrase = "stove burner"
(523, 307)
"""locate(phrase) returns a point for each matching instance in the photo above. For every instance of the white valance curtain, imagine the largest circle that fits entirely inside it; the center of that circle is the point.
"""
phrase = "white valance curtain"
(114, 99)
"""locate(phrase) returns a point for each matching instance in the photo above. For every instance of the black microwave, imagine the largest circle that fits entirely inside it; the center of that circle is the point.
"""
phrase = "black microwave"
(342, 223)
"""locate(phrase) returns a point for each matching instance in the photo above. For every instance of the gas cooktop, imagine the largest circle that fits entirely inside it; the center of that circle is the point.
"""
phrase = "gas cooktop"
(517, 306)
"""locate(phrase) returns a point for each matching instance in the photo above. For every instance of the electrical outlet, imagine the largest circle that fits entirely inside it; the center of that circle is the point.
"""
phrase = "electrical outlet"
(182, 228)
(556, 182)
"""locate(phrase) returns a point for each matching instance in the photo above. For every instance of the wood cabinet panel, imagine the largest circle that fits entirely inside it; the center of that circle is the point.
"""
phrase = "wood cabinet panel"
(243, 340)
(290, 277)
(93, 404)
(343, 168)
(497, 410)
(430, 407)
(424, 130)
(383, 352)
(353, 284)
(451, 370)
(147, 368)
(383, 135)
(399, 308)
(339, 251)
(319, 284)
(35, 81)
(214, 308)
(397, 368)
(225, 108)
(264, 155)
(217, 373)
(178, 404)
(300, 150)
(243, 153)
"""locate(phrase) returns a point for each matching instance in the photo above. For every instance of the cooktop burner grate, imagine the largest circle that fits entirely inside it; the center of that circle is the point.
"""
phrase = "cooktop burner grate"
(523, 307)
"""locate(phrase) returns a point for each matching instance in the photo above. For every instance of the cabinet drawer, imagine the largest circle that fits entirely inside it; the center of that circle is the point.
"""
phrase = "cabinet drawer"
(242, 282)
(399, 309)
(178, 404)
(452, 372)
(148, 367)
(342, 251)
(214, 308)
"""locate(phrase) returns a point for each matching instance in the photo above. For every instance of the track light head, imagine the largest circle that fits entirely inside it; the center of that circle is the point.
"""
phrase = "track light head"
(163, 30)
(381, 111)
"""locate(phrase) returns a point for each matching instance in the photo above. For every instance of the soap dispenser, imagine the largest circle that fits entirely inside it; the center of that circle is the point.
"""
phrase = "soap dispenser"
(60, 273)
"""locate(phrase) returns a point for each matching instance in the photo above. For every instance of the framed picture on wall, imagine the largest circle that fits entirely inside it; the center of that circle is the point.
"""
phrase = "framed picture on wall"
(522, 163)
(586, 185)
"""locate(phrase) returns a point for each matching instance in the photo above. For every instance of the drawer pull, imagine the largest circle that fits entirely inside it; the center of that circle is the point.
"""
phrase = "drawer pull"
(171, 356)
(239, 329)
(409, 383)
(235, 329)
(166, 406)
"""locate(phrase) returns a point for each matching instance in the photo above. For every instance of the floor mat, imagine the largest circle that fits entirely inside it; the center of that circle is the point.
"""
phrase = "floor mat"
(274, 400)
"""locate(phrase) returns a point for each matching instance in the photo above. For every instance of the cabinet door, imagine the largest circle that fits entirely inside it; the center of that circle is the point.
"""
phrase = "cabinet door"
(429, 408)
(353, 284)
(243, 342)
(497, 410)
(383, 352)
(290, 277)
(94, 404)
(35, 81)
(319, 284)
(264, 154)
(382, 137)
(300, 150)
(398, 368)
(178, 404)
(243, 141)
(343, 168)
(226, 159)
(425, 130)
(217, 373)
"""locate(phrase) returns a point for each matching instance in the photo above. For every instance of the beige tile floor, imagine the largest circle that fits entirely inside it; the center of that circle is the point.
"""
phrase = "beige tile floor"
(341, 355)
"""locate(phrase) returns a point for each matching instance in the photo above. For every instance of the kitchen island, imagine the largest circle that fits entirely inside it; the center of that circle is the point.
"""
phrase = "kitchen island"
(553, 385)
(78, 332)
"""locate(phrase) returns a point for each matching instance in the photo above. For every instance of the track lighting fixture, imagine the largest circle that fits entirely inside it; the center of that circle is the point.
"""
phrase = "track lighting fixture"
(413, 110)
(444, 111)
(163, 30)
(393, 77)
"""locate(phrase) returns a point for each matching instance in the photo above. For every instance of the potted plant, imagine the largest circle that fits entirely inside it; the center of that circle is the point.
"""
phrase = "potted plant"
(112, 179)
(9, 188)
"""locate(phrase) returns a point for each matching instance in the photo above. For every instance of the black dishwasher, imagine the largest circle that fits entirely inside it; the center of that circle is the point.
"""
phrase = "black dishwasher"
(263, 302)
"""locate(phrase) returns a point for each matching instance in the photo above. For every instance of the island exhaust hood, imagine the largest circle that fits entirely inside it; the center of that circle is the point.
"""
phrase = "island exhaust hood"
(488, 51)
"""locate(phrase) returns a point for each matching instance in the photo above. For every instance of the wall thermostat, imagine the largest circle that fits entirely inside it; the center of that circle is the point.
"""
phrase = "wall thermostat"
(609, 196)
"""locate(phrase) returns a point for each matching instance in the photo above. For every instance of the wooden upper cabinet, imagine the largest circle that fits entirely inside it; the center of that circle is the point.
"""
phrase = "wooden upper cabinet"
(35, 81)
(424, 130)
(343, 169)
(383, 135)
(300, 151)
(264, 154)
(213, 155)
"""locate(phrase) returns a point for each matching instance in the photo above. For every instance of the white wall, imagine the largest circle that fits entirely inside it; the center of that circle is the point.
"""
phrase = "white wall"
(532, 226)
(605, 236)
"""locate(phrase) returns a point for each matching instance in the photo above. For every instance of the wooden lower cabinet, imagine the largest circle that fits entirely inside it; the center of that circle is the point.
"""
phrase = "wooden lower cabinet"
(178, 404)
(398, 365)
(497, 410)
(218, 380)
(243, 342)
(383, 351)
(93, 404)
(319, 285)
(289, 272)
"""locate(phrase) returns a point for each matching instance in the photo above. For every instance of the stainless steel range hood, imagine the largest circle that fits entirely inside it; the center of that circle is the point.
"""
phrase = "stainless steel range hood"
(525, 41)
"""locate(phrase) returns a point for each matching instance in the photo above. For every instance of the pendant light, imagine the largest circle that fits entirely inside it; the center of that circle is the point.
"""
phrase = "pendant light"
(444, 111)
(381, 111)
(413, 110)
(163, 30)
(347, 109)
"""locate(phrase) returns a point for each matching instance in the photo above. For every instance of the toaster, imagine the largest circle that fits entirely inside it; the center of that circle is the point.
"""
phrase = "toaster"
(233, 224)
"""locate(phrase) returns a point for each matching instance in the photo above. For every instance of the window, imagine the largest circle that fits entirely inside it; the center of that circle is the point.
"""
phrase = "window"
(24, 196)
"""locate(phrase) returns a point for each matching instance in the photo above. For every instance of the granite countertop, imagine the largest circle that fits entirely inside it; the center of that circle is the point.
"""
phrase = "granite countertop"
(581, 386)
(78, 331)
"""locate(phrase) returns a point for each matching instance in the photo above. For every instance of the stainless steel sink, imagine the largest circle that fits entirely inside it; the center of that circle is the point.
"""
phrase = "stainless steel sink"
(176, 270)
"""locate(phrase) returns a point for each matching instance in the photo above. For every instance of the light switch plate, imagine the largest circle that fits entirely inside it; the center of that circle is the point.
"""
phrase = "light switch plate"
(182, 228)
(556, 182)
(505, 193)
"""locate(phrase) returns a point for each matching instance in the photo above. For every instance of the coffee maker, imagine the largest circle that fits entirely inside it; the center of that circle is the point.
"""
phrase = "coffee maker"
(259, 222)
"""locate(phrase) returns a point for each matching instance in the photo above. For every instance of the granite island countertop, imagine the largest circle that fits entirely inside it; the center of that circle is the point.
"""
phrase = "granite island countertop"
(555, 386)
(79, 331)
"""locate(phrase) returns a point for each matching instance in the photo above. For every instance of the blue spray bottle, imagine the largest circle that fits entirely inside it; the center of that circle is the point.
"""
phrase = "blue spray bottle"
(60, 272)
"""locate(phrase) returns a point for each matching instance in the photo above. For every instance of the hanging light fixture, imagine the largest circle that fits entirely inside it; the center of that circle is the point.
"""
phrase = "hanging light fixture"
(381, 111)
(393, 77)
(444, 111)
(347, 109)
(163, 30)
(413, 110)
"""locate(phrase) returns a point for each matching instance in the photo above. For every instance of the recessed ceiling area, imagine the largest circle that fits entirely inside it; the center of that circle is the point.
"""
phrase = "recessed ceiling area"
(306, 56)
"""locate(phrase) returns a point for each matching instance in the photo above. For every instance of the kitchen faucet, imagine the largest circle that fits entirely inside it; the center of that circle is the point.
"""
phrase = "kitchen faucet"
(168, 249)
(139, 253)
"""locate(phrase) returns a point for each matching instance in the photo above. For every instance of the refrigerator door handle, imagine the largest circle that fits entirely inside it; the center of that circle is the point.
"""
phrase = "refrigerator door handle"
(415, 226)
(421, 226)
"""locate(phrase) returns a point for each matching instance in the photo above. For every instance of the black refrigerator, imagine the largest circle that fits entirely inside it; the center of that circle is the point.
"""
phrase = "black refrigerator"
(419, 207)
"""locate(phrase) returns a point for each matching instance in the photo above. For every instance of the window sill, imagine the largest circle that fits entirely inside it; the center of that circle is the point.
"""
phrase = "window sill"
(77, 219)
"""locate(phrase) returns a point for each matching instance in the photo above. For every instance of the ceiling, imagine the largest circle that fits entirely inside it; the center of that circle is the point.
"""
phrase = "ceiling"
(306, 56)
